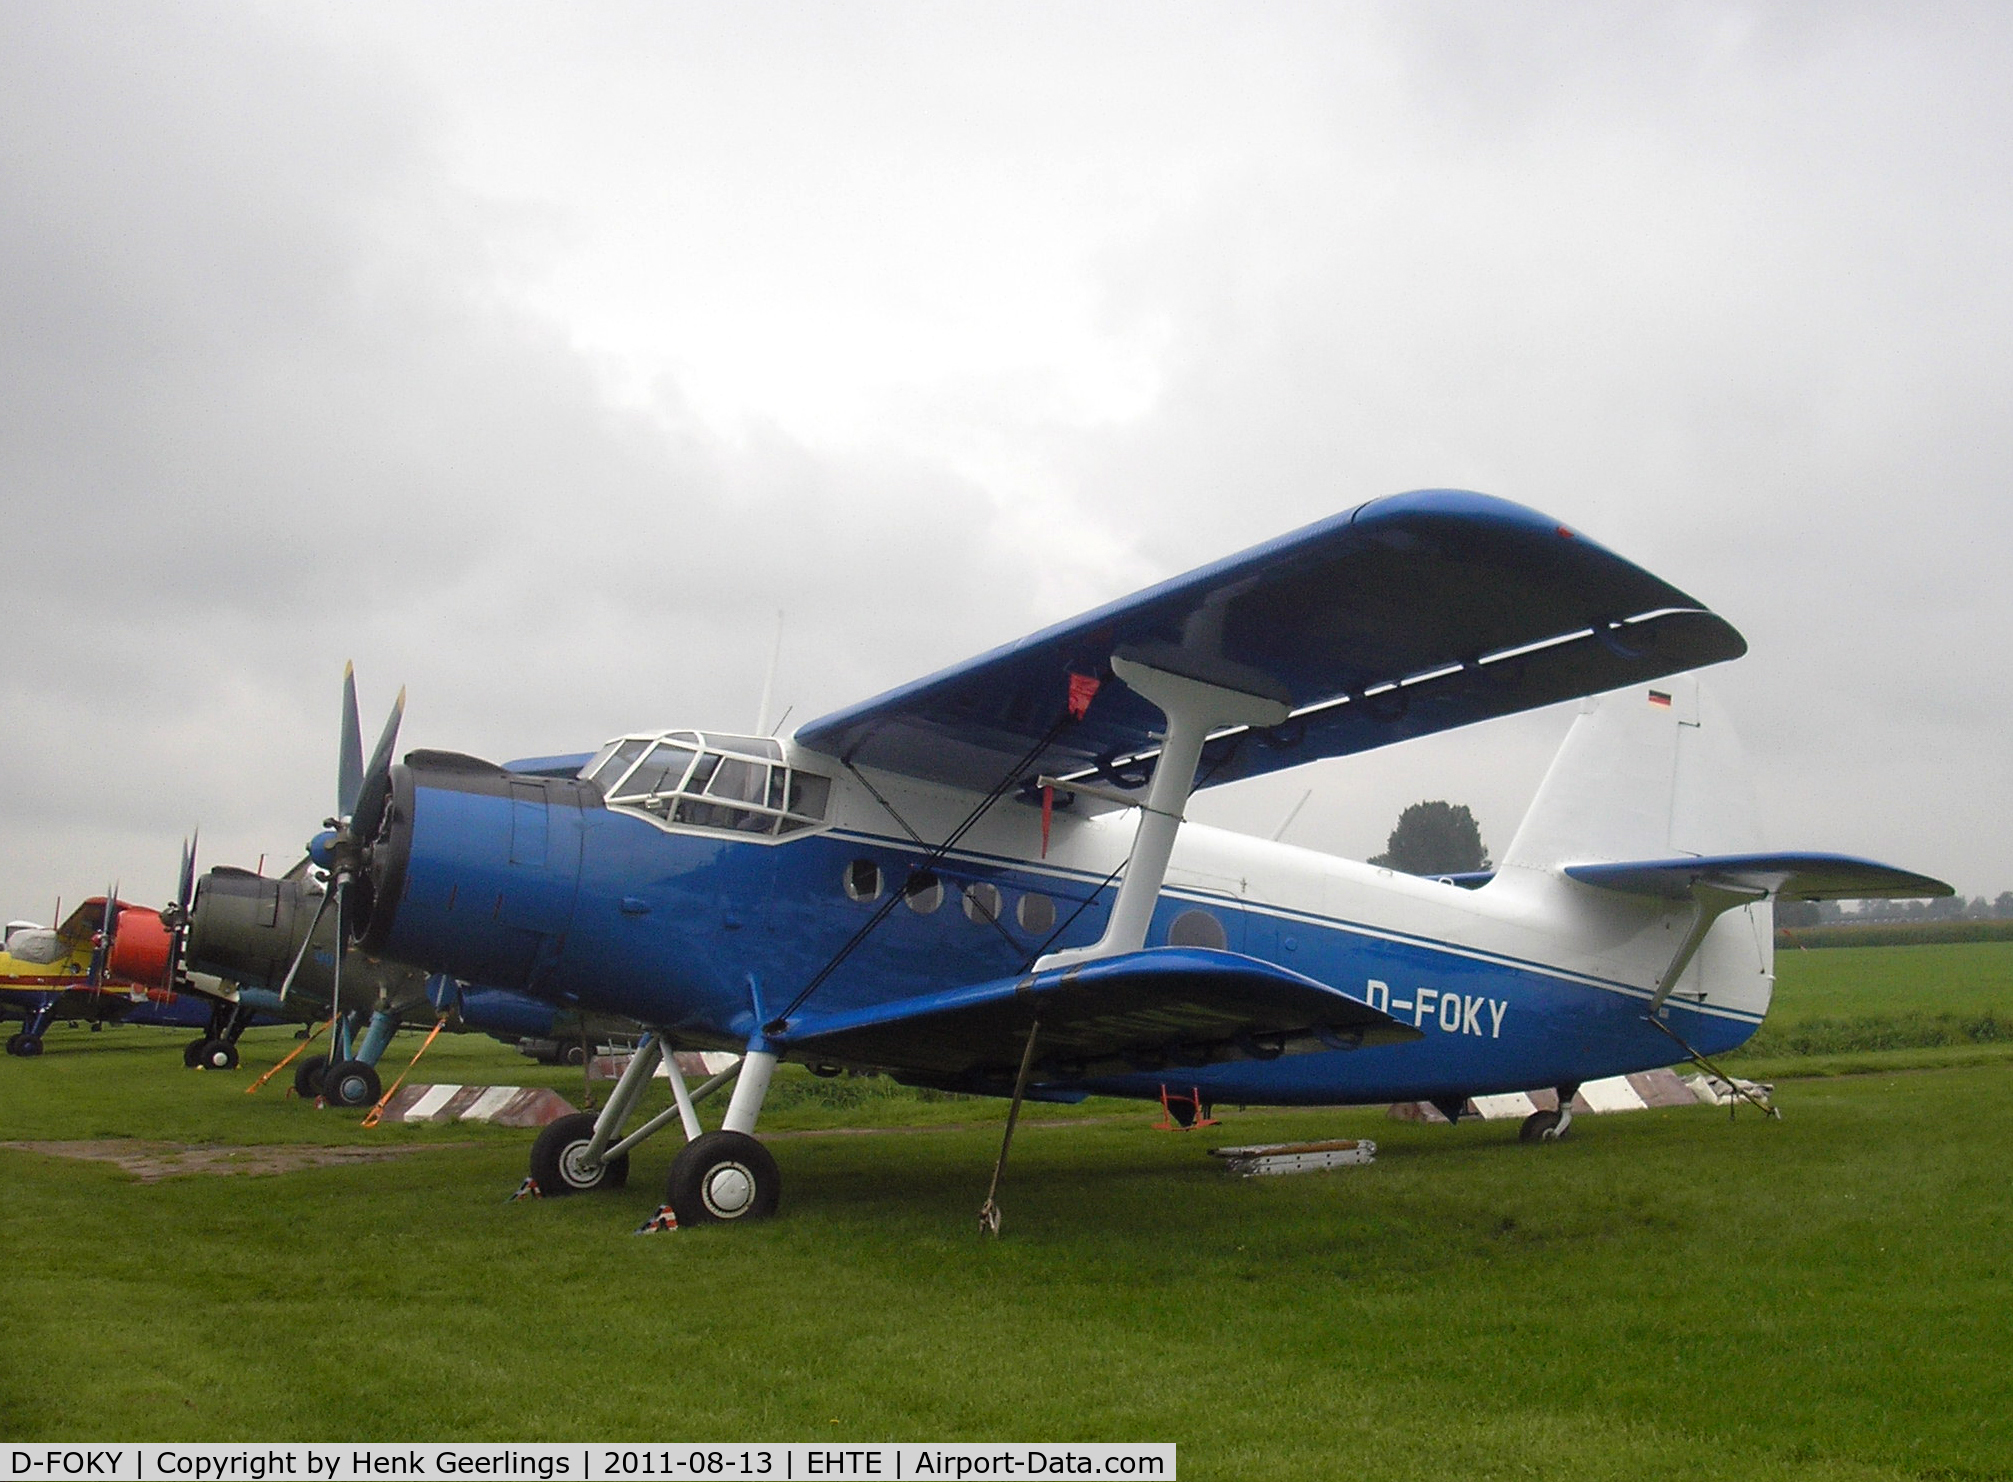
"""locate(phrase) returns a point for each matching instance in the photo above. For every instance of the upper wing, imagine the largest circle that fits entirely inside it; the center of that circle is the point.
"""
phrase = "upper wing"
(85, 922)
(1140, 1010)
(1401, 617)
(1796, 877)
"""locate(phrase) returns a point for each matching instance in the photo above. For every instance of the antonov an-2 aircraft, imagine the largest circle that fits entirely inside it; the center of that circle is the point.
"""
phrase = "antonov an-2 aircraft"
(982, 880)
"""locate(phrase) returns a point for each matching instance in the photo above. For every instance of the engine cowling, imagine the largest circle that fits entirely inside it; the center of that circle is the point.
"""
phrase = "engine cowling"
(140, 949)
(475, 869)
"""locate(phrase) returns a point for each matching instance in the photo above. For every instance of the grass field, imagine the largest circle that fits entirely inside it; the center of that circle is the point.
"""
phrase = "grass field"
(1667, 1293)
(1857, 1009)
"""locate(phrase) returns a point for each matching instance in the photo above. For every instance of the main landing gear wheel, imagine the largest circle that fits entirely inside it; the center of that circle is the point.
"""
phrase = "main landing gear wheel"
(192, 1053)
(1540, 1126)
(558, 1159)
(212, 1054)
(352, 1083)
(721, 1177)
(308, 1077)
(27, 1046)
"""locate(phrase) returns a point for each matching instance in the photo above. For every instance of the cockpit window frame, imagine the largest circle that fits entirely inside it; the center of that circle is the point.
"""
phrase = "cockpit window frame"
(787, 808)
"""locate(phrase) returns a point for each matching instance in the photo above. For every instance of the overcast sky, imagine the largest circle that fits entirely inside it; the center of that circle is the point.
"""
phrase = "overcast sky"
(534, 356)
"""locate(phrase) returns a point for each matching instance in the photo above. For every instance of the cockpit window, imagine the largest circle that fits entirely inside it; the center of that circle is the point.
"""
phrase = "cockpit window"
(615, 759)
(659, 772)
(743, 781)
(734, 784)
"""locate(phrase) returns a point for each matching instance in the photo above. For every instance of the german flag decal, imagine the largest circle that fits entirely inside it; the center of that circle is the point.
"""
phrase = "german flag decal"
(1658, 697)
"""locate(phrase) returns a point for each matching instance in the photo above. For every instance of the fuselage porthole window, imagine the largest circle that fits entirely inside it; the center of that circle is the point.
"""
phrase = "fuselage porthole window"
(1036, 913)
(1197, 928)
(982, 901)
(923, 893)
(863, 880)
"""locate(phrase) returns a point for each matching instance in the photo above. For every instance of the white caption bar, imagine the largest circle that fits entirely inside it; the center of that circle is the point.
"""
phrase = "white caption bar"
(599, 1462)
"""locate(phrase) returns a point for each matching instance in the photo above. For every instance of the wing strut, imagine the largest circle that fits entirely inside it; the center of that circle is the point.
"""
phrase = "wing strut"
(989, 1212)
(1193, 708)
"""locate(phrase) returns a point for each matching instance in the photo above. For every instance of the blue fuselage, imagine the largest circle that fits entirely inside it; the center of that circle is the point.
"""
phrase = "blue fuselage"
(539, 887)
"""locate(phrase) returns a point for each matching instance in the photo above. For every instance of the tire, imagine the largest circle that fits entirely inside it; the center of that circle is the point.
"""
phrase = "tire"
(556, 1163)
(1538, 1127)
(24, 1046)
(723, 1177)
(573, 1055)
(352, 1083)
(192, 1053)
(217, 1054)
(308, 1077)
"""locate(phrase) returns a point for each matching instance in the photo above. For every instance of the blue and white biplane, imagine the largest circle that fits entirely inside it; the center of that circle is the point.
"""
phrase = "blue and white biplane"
(982, 881)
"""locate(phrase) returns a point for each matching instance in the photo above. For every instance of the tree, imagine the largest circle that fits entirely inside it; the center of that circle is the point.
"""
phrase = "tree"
(1436, 838)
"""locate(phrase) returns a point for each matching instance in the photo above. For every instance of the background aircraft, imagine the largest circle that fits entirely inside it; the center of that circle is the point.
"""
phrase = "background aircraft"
(107, 962)
(973, 881)
(271, 941)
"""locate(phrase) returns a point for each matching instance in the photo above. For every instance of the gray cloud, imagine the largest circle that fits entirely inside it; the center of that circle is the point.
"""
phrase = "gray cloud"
(291, 376)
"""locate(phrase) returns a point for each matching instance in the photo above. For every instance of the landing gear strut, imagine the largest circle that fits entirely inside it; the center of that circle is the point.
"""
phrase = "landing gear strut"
(308, 1076)
(724, 1175)
(218, 1049)
(721, 1177)
(351, 1083)
(560, 1164)
(28, 1043)
(1550, 1126)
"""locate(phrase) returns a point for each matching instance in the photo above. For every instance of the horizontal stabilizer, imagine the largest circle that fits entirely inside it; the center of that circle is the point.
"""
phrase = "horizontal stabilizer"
(1795, 877)
(1399, 618)
(1164, 1006)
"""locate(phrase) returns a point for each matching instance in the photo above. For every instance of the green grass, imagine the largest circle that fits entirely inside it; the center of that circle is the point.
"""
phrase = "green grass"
(1854, 1010)
(1667, 1293)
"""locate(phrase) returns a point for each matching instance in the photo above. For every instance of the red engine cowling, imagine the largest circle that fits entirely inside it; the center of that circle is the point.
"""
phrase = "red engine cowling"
(139, 949)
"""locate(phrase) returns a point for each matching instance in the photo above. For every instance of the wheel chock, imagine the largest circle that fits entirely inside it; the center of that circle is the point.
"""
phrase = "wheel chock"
(527, 1190)
(665, 1219)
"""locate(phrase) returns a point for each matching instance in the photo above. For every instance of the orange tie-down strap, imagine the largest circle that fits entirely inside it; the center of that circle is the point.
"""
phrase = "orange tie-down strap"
(376, 1114)
(256, 1085)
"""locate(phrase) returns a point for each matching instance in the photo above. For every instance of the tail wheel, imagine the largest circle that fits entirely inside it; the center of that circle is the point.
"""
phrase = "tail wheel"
(722, 1177)
(308, 1077)
(1540, 1126)
(559, 1159)
(352, 1083)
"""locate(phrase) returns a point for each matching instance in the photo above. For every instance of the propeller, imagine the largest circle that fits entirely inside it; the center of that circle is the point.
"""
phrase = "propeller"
(176, 917)
(101, 941)
(362, 791)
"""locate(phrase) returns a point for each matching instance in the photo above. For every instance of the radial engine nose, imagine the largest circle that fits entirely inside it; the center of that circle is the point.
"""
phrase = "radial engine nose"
(474, 869)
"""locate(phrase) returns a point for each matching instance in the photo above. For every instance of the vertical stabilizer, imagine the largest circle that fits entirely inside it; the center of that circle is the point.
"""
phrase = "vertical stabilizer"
(1647, 772)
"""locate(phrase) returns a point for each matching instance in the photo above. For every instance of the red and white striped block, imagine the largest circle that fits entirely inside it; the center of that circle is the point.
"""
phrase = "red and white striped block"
(504, 1106)
(694, 1065)
(1644, 1089)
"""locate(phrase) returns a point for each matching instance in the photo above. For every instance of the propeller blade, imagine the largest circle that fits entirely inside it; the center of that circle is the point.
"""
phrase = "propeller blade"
(185, 893)
(349, 766)
(101, 950)
(287, 984)
(339, 888)
(376, 791)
